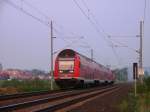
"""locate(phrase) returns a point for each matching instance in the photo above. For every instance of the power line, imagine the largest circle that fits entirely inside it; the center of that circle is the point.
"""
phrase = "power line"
(89, 19)
(95, 27)
(116, 36)
(94, 18)
(42, 21)
(117, 56)
(69, 45)
(46, 17)
(46, 23)
(145, 2)
(27, 13)
(34, 17)
(144, 18)
(39, 19)
(102, 30)
(43, 14)
(124, 45)
(86, 5)
(123, 36)
(36, 9)
(64, 39)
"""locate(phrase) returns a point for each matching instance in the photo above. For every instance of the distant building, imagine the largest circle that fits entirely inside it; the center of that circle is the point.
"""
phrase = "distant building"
(9, 74)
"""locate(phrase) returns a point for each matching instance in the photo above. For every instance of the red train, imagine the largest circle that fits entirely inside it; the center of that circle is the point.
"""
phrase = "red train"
(73, 69)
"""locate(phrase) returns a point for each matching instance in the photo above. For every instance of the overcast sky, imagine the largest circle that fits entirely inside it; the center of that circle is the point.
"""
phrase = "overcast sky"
(25, 42)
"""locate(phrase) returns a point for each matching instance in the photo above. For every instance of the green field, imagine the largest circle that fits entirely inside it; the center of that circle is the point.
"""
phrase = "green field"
(16, 86)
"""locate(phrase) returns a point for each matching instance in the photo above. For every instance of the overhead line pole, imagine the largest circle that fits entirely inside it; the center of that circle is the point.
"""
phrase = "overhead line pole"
(92, 54)
(141, 72)
(52, 73)
(141, 45)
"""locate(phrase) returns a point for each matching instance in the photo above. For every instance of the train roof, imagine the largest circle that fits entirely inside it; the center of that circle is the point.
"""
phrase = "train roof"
(72, 53)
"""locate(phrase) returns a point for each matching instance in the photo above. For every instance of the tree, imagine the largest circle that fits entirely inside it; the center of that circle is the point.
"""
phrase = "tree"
(121, 74)
(146, 74)
(1, 67)
(37, 72)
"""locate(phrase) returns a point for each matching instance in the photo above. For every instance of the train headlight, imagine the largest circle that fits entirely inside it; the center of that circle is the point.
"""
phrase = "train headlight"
(71, 71)
(60, 71)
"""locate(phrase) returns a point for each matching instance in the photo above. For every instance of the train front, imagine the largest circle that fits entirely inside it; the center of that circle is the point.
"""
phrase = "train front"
(67, 68)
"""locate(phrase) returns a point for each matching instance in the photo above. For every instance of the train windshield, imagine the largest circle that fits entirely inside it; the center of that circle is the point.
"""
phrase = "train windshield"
(66, 66)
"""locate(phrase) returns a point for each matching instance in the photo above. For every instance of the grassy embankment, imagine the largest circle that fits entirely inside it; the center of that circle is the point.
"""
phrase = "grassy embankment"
(16, 86)
(140, 103)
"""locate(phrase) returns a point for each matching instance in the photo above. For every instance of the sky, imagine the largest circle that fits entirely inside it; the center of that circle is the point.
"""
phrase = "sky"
(25, 40)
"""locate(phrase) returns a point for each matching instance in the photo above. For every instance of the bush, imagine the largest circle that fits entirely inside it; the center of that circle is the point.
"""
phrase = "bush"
(147, 83)
(140, 103)
(34, 85)
(144, 87)
(129, 104)
(141, 88)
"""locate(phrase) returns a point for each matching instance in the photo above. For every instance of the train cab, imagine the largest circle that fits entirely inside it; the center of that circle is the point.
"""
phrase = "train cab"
(66, 68)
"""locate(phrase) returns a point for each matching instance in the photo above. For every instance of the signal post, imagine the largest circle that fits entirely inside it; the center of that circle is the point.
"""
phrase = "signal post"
(141, 70)
(135, 76)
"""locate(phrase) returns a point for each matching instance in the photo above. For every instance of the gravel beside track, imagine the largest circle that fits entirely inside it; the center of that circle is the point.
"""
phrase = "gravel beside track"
(22, 97)
(100, 99)
(67, 102)
(41, 103)
(105, 103)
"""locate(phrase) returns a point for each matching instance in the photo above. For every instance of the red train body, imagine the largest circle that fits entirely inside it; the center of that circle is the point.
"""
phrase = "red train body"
(72, 69)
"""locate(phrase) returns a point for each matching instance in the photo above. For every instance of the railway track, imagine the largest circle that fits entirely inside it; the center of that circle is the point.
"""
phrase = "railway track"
(19, 95)
(28, 96)
(57, 100)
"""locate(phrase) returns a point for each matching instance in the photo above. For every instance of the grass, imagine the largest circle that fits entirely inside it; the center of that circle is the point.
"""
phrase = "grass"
(16, 86)
(129, 104)
(140, 103)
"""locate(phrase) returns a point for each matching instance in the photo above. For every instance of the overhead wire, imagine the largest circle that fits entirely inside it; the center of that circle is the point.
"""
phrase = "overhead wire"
(69, 45)
(89, 19)
(100, 32)
(46, 17)
(112, 42)
(144, 15)
(94, 18)
(103, 31)
(123, 36)
(124, 45)
(36, 9)
(27, 13)
(46, 23)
